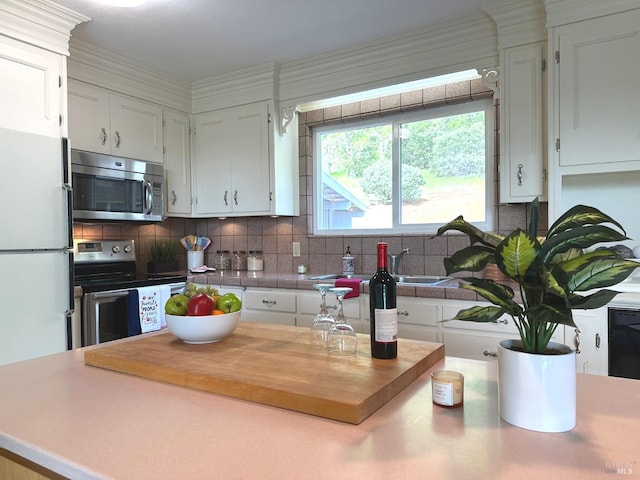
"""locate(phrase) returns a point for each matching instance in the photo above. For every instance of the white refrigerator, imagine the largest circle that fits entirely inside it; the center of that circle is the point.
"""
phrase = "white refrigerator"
(36, 263)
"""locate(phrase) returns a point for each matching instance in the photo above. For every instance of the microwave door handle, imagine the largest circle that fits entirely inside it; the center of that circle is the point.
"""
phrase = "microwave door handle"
(148, 196)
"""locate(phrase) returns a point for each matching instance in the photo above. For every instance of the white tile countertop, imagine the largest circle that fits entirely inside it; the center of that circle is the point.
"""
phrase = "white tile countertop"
(84, 422)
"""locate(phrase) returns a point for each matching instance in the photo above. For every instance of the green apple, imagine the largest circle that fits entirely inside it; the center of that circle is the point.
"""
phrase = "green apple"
(176, 305)
(229, 303)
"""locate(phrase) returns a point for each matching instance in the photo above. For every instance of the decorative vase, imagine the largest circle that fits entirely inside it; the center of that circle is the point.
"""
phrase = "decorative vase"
(537, 392)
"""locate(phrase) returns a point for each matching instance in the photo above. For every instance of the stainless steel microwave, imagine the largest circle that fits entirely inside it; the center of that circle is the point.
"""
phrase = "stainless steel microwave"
(109, 188)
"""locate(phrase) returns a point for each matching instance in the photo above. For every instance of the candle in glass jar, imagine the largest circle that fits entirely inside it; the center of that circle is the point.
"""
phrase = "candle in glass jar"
(447, 388)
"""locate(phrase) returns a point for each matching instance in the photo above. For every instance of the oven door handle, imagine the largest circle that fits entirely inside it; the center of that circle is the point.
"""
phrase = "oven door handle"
(92, 302)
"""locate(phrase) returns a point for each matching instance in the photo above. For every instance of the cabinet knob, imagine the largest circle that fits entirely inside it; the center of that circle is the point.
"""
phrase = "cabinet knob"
(117, 139)
(487, 353)
(103, 136)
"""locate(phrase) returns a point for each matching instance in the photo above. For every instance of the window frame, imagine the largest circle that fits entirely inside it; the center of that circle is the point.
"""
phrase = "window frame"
(484, 104)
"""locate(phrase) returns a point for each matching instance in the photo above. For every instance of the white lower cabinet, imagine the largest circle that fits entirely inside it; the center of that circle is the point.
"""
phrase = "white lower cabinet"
(475, 340)
(309, 306)
(590, 341)
(269, 306)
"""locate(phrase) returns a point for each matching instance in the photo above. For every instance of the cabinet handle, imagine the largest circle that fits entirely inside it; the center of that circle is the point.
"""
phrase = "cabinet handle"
(520, 167)
(175, 198)
(103, 136)
(504, 321)
(487, 353)
(269, 302)
(597, 340)
(117, 139)
(576, 341)
(404, 314)
(226, 196)
(235, 197)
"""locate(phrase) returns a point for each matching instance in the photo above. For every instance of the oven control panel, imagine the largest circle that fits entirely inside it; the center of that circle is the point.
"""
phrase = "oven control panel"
(93, 251)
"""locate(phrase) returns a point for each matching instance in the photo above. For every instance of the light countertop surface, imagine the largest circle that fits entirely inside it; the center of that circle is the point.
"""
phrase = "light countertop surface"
(84, 422)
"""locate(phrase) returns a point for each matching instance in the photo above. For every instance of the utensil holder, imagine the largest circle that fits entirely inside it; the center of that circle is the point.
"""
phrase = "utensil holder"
(195, 258)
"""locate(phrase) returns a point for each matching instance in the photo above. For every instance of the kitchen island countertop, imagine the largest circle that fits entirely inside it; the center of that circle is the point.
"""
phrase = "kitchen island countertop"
(84, 422)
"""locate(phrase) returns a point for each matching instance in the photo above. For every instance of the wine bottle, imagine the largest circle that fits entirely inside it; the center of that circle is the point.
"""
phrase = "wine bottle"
(382, 309)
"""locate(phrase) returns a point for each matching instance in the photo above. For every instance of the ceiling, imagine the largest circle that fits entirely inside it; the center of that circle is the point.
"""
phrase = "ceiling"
(194, 40)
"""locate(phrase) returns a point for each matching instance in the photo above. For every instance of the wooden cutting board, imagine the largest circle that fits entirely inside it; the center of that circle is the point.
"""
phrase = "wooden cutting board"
(274, 365)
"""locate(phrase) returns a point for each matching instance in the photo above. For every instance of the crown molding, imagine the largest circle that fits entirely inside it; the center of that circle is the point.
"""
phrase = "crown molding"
(105, 69)
(518, 22)
(562, 12)
(249, 85)
(454, 46)
(39, 22)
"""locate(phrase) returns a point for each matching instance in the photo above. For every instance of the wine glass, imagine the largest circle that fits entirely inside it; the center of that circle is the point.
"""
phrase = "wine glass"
(323, 321)
(341, 339)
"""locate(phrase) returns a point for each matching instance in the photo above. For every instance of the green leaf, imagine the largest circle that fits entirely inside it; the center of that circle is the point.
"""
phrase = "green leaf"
(496, 293)
(579, 237)
(600, 273)
(547, 312)
(595, 300)
(579, 216)
(474, 233)
(516, 253)
(478, 314)
(469, 259)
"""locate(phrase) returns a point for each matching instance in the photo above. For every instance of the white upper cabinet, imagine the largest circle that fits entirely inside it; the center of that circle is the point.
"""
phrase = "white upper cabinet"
(177, 163)
(522, 149)
(240, 166)
(102, 122)
(31, 88)
(598, 97)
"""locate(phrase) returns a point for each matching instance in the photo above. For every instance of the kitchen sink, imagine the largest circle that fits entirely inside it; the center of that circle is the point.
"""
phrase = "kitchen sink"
(413, 279)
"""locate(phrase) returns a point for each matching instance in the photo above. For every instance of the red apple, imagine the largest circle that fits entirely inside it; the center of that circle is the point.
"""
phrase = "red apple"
(200, 304)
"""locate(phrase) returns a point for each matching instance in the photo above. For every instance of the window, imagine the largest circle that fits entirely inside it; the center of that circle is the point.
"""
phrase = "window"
(410, 172)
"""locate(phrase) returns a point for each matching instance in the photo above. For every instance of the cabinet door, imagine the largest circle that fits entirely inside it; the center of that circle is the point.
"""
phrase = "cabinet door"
(136, 129)
(250, 164)
(598, 90)
(522, 153)
(89, 125)
(591, 342)
(211, 165)
(269, 306)
(177, 162)
(231, 161)
(30, 88)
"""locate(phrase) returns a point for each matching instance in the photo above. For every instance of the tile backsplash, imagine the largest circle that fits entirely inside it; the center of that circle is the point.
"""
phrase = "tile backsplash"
(275, 236)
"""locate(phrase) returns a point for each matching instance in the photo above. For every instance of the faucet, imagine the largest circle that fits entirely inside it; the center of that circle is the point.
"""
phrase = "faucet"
(395, 260)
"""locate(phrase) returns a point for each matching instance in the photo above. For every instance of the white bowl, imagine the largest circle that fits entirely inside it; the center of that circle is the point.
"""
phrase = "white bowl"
(203, 329)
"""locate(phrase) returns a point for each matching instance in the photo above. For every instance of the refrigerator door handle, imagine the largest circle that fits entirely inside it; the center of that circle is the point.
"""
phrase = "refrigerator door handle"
(72, 301)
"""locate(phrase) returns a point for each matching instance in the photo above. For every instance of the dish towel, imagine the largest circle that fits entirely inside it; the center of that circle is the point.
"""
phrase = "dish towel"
(151, 302)
(350, 282)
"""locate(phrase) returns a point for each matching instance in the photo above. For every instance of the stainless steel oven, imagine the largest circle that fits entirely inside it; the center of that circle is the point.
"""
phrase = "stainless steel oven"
(115, 188)
(106, 271)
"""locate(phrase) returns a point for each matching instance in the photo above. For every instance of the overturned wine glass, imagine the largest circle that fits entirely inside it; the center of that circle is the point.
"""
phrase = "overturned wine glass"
(341, 339)
(323, 321)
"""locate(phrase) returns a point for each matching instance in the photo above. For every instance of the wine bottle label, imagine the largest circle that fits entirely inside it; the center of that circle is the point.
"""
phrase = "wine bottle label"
(386, 324)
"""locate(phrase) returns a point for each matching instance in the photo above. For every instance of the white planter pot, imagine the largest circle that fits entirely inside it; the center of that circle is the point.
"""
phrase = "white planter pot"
(537, 392)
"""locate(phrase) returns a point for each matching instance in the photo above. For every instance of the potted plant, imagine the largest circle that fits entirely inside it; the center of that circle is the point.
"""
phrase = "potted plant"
(546, 272)
(162, 255)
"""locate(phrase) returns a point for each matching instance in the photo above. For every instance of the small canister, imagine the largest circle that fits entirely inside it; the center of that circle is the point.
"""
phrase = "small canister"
(239, 260)
(255, 262)
(223, 260)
